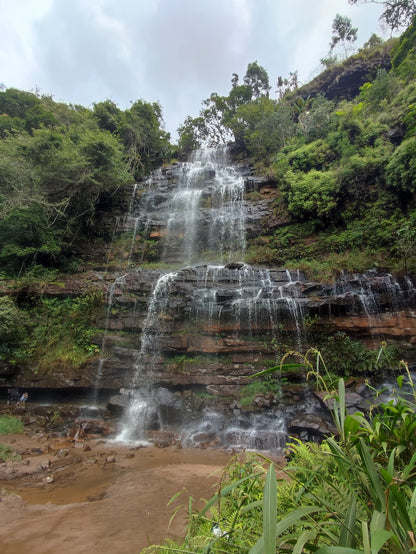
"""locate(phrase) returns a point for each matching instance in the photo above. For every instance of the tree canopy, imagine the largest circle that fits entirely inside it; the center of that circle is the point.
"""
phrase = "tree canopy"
(60, 164)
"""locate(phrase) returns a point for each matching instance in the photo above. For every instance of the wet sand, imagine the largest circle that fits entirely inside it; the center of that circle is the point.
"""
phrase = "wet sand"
(96, 496)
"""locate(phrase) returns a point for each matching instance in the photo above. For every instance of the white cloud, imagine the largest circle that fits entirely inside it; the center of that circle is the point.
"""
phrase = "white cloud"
(173, 51)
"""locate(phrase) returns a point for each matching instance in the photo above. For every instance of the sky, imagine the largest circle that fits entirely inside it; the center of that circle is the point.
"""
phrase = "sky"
(175, 52)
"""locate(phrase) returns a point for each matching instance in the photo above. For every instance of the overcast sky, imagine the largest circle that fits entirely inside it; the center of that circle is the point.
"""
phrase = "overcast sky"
(175, 52)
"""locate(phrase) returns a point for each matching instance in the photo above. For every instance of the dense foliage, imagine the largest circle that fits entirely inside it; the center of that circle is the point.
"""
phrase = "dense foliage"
(353, 493)
(54, 334)
(61, 164)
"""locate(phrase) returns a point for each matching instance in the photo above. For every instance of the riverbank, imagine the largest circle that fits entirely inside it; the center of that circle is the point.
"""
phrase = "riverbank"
(97, 496)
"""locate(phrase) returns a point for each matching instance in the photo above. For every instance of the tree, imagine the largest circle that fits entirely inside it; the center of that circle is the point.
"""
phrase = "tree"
(343, 32)
(287, 84)
(257, 78)
(396, 14)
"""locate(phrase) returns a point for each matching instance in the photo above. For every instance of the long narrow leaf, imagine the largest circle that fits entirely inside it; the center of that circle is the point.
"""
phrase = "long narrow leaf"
(290, 519)
(401, 508)
(366, 538)
(346, 537)
(283, 367)
(226, 490)
(270, 511)
(338, 550)
(409, 467)
(341, 400)
(305, 537)
(377, 488)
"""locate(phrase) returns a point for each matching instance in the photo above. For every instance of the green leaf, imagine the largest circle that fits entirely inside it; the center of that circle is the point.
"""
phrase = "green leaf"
(379, 539)
(338, 550)
(341, 395)
(270, 511)
(305, 537)
(288, 521)
(226, 490)
(371, 470)
(366, 537)
(346, 537)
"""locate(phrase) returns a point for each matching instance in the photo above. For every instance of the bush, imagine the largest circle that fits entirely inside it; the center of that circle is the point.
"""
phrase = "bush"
(10, 425)
(344, 495)
(14, 329)
(315, 155)
(312, 194)
(401, 169)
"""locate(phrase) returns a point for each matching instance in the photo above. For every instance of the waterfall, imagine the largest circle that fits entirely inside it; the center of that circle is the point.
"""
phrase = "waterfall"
(143, 410)
(202, 216)
(194, 216)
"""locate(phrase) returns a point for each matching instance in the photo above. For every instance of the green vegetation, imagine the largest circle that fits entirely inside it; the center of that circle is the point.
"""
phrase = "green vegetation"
(49, 332)
(344, 169)
(255, 388)
(7, 454)
(354, 493)
(60, 165)
(10, 425)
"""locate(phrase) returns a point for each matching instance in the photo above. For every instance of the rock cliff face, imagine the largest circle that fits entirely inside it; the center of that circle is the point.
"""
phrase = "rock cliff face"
(209, 325)
(345, 80)
(183, 337)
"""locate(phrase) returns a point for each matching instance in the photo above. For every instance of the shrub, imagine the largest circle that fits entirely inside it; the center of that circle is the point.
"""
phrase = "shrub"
(315, 155)
(401, 169)
(10, 425)
(345, 495)
(6, 454)
(312, 194)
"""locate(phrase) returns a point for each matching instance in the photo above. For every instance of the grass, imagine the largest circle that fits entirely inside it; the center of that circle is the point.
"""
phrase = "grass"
(10, 425)
(7, 454)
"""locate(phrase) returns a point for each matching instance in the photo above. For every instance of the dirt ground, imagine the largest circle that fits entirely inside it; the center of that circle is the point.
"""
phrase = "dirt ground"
(96, 496)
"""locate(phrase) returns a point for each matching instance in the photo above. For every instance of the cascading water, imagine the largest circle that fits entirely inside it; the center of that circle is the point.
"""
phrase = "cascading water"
(143, 410)
(203, 216)
(198, 217)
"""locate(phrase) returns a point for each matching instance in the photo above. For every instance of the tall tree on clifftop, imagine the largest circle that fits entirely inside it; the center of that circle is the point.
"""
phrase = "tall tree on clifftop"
(257, 78)
(343, 32)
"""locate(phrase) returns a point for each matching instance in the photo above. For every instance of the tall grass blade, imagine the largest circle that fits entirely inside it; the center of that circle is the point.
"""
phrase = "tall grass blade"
(346, 537)
(341, 400)
(290, 519)
(366, 538)
(270, 511)
(371, 470)
(226, 490)
(305, 537)
(338, 550)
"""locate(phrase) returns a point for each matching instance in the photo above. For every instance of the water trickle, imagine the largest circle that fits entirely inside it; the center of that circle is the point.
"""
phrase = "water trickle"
(117, 284)
(143, 412)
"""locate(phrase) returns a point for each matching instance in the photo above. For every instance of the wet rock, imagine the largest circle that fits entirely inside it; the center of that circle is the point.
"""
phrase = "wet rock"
(118, 404)
(96, 427)
(310, 427)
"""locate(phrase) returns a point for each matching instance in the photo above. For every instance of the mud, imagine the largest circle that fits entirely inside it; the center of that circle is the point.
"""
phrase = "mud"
(96, 496)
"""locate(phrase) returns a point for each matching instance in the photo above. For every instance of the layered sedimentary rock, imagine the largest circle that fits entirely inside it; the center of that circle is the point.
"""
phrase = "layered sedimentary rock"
(211, 325)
